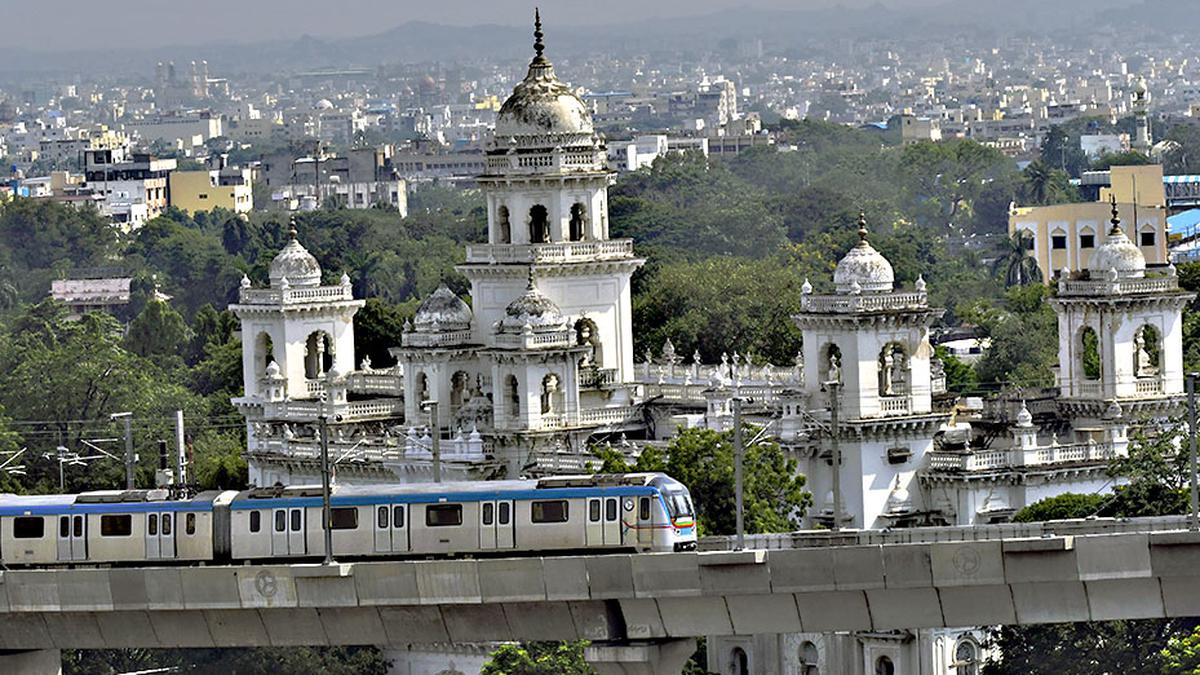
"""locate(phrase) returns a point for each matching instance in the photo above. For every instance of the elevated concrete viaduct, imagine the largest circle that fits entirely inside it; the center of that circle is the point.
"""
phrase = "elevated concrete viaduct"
(639, 610)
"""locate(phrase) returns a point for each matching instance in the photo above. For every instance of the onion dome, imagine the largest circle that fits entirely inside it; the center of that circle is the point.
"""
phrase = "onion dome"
(295, 264)
(863, 269)
(534, 310)
(1117, 254)
(273, 371)
(541, 104)
(1024, 417)
(442, 311)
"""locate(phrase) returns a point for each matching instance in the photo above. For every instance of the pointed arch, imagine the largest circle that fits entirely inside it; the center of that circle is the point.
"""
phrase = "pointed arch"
(577, 230)
(539, 224)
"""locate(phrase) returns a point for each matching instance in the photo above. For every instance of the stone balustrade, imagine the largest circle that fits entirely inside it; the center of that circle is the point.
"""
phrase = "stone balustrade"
(294, 296)
(560, 252)
(1102, 287)
(867, 302)
(991, 460)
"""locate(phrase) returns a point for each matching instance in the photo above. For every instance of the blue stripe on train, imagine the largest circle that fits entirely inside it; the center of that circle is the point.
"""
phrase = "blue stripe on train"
(449, 497)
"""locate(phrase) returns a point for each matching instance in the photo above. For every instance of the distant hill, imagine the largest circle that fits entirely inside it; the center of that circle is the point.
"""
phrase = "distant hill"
(417, 42)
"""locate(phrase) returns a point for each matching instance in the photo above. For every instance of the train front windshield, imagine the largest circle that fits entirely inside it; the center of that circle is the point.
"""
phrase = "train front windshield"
(679, 504)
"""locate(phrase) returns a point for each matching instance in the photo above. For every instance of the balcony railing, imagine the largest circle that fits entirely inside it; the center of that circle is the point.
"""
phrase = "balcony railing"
(991, 460)
(894, 405)
(1148, 387)
(573, 251)
(868, 302)
(458, 337)
(533, 340)
(294, 296)
(1093, 287)
(598, 378)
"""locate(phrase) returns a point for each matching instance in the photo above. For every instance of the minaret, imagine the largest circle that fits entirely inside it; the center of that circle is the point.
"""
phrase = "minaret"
(1141, 112)
(874, 341)
(547, 198)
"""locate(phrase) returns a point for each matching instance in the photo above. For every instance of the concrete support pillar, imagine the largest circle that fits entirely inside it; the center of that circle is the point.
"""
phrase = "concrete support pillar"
(37, 662)
(658, 657)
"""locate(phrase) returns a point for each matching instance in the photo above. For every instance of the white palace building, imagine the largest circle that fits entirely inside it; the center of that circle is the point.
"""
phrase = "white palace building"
(540, 366)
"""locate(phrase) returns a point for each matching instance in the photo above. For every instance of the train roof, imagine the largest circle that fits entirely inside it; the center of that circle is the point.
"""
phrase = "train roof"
(102, 501)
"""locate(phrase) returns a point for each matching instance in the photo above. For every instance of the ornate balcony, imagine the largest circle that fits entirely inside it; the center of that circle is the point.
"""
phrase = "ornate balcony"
(564, 252)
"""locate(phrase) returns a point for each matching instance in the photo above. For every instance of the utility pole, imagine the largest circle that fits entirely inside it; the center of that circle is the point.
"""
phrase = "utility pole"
(326, 510)
(127, 419)
(62, 483)
(835, 452)
(739, 451)
(435, 436)
(180, 450)
(1193, 497)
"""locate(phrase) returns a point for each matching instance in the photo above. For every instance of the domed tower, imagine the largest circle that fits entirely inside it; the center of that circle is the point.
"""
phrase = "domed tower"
(534, 365)
(873, 340)
(1120, 331)
(438, 355)
(547, 199)
(306, 328)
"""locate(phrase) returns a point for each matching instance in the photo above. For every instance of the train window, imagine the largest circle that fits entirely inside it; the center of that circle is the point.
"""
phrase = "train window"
(505, 512)
(166, 524)
(489, 514)
(594, 511)
(296, 520)
(381, 517)
(397, 516)
(610, 510)
(116, 526)
(644, 509)
(340, 519)
(190, 523)
(443, 515)
(255, 521)
(78, 526)
(550, 511)
(152, 524)
(281, 521)
(64, 526)
(29, 527)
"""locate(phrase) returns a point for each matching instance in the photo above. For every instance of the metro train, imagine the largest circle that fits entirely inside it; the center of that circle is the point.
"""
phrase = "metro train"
(635, 512)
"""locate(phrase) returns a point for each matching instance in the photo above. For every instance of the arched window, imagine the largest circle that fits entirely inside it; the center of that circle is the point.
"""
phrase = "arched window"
(503, 226)
(578, 222)
(884, 666)
(1089, 353)
(809, 659)
(539, 225)
(893, 370)
(460, 382)
(739, 663)
(586, 335)
(318, 355)
(550, 394)
(1147, 351)
(966, 658)
(831, 364)
(512, 391)
(264, 354)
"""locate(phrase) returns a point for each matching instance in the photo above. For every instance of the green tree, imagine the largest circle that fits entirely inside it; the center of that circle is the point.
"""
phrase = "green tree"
(538, 658)
(1019, 268)
(946, 178)
(378, 327)
(1047, 185)
(1094, 648)
(774, 497)
(1181, 656)
(1060, 507)
(158, 331)
(1024, 338)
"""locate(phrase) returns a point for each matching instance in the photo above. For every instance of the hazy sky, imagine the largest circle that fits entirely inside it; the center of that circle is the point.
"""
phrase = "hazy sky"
(154, 23)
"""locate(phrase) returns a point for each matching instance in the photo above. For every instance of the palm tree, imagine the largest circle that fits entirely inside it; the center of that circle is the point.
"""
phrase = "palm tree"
(1020, 269)
(1039, 179)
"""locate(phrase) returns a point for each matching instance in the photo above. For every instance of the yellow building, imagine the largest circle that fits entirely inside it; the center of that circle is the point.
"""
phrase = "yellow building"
(195, 191)
(1064, 235)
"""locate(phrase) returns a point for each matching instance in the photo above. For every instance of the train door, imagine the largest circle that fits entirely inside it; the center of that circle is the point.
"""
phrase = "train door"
(152, 548)
(279, 534)
(645, 522)
(166, 535)
(296, 542)
(594, 529)
(506, 536)
(72, 539)
(612, 521)
(383, 528)
(487, 526)
(399, 528)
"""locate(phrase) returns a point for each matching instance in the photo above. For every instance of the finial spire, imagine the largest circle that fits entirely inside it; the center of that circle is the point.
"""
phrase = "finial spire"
(1116, 216)
(538, 45)
(862, 227)
(531, 285)
(292, 228)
